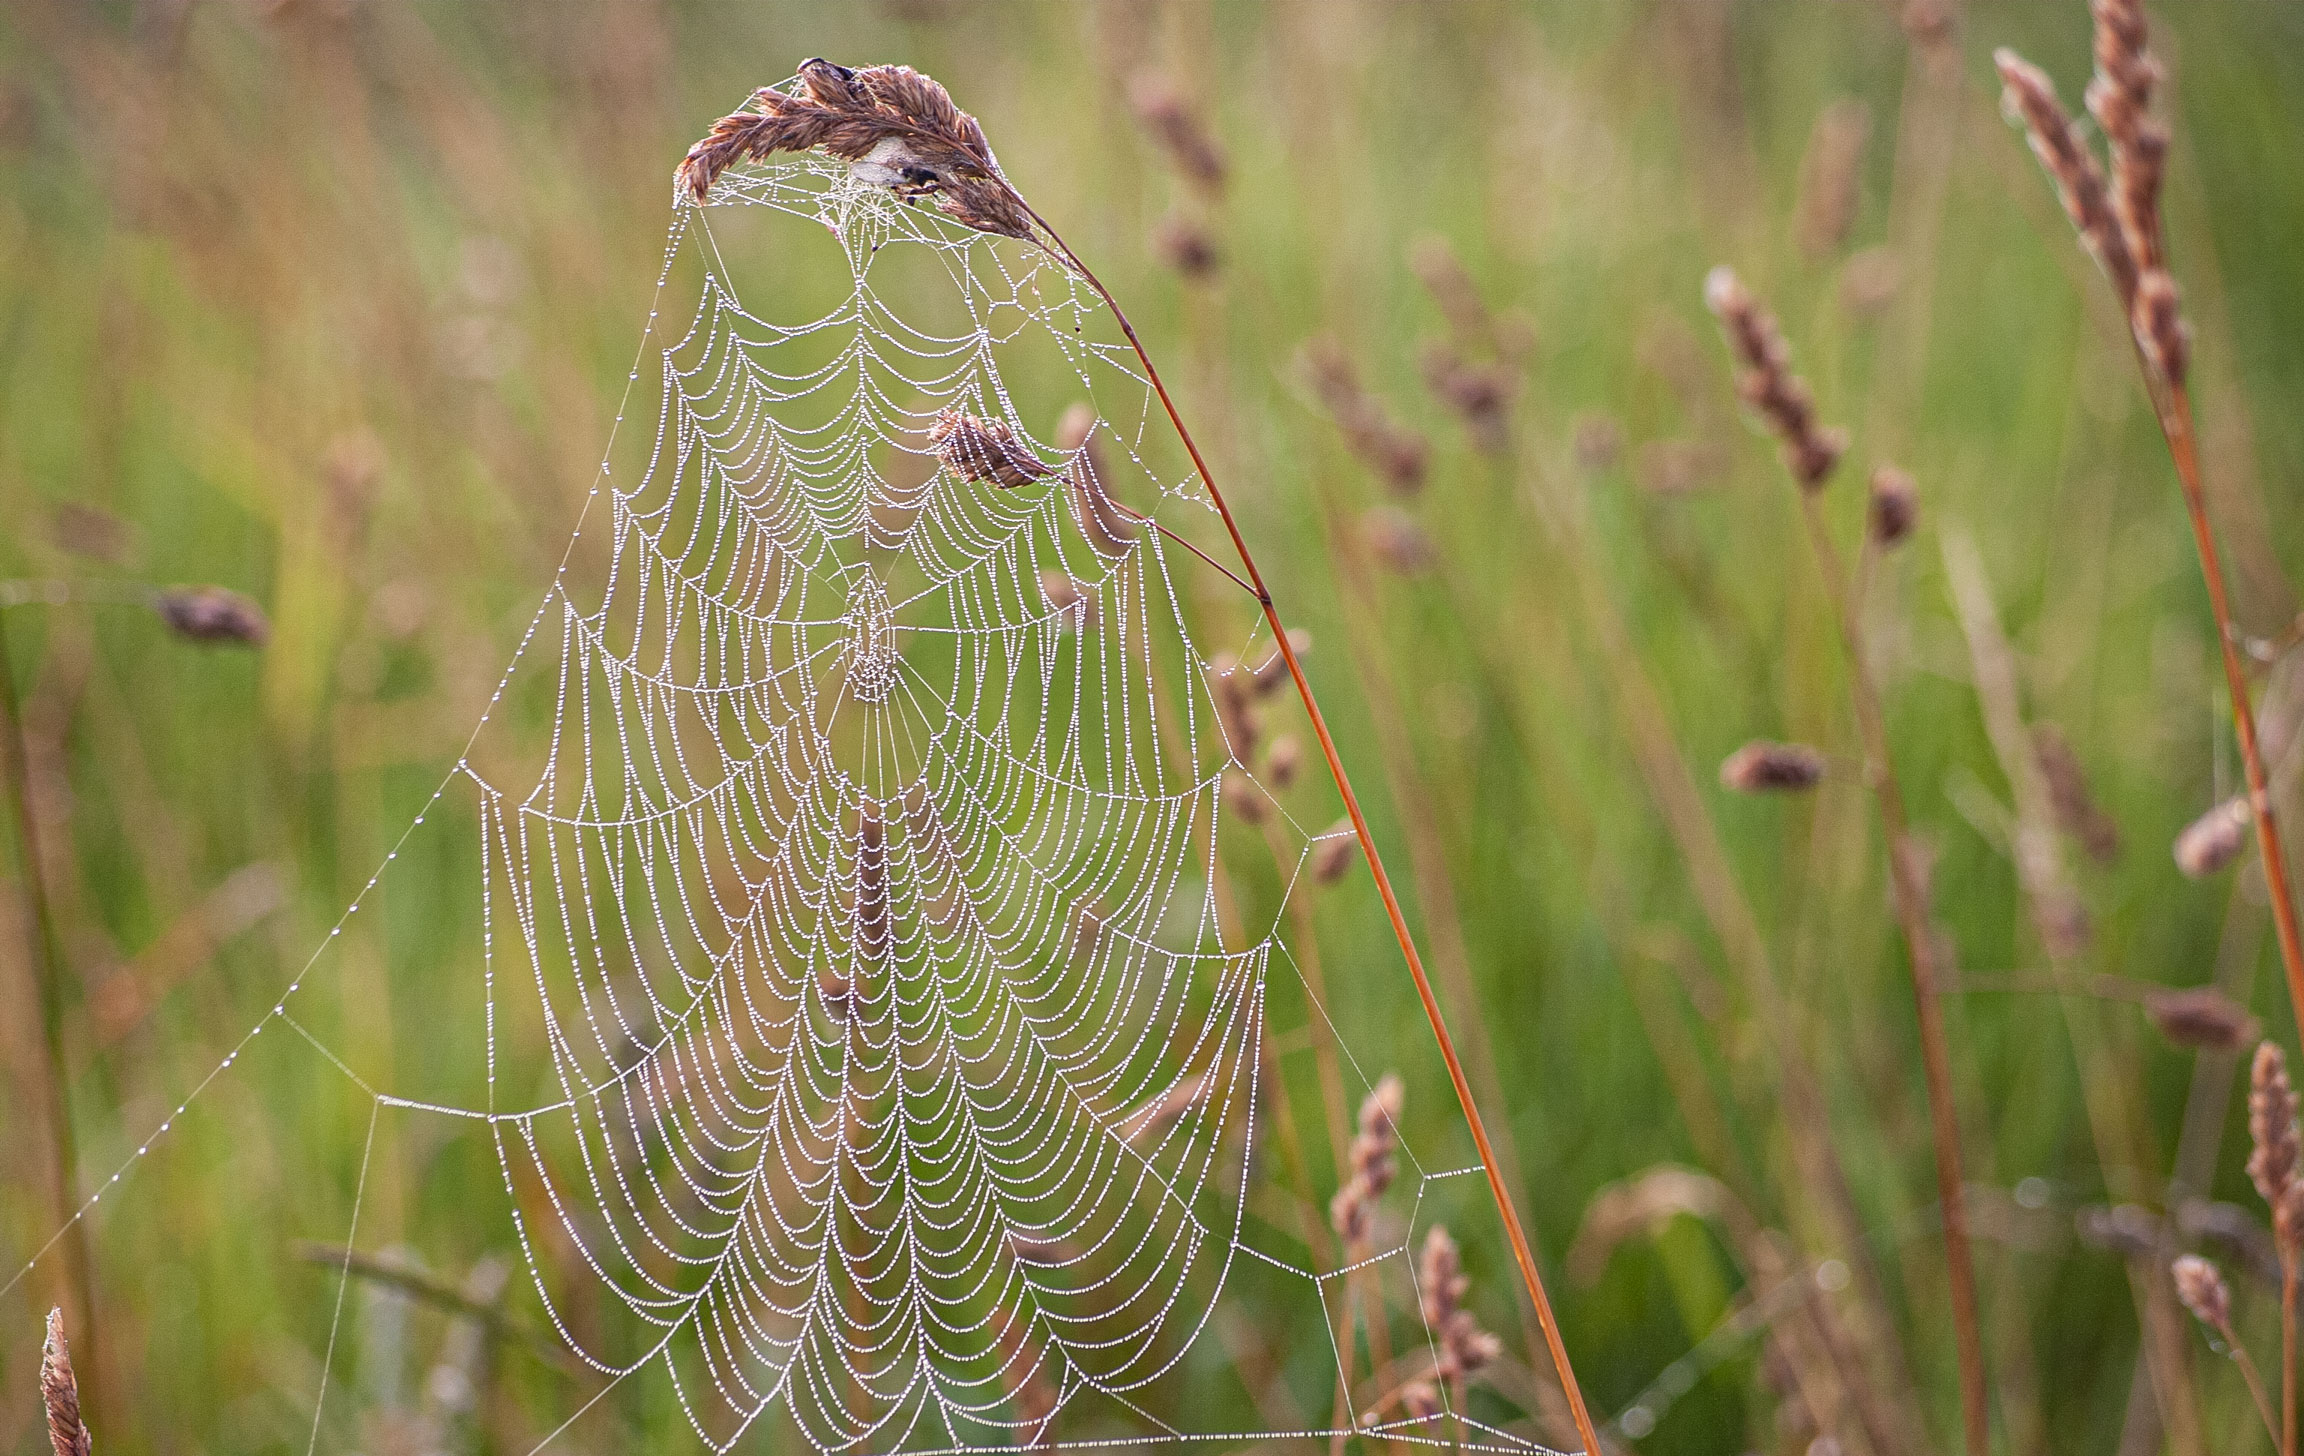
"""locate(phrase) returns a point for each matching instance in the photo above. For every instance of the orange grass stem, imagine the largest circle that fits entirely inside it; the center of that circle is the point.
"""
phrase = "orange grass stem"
(2174, 409)
(1512, 1228)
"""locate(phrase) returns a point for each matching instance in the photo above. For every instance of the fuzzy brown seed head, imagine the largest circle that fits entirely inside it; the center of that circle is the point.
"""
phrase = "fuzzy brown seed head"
(1067, 599)
(985, 450)
(1234, 688)
(2215, 839)
(1869, 281)
(1102, 521)
(2272, 1129)
(2200, 1017)
(2160, 326)
(1767, 384)
(1185, 246)
(1831, 172)
(1477, 393)
(1161, 107)
(2076, 810)
(1372, 1161)
(895, 127)
(1395, 539)
(1272, 673)
(1893, 508)
(2120, 98)
(1334, 853)
(2029, 98)
(1244, 799)
(1464, 1349)
(212, 614)
(1761, 767)
(1283, 759)
(60, 1392)
(1397, 456)
(2200, 1285)
(1445, 277)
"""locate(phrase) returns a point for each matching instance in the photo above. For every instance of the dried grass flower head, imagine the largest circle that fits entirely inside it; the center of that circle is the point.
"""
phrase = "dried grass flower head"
(1830, 173)
(1397, 456)
(895, 127)
(1762, 767)
(2215, 839)
(1185, 246)
(1463, 1347)
(1333, 854)
(2272, 1135)
(2029, 98)
(1892, 510)
(60, 1392)
(2200, 1285)
(2077, 812)
(2200, 1017)
(1373, 1163)
(1160, 105)
(212, 614)
(985, 450)
(1767, 383)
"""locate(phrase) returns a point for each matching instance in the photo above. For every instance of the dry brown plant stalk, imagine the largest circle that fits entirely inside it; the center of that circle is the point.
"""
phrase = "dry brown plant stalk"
(2121, 225)
(60, 1392)
(927, 145)
(1810, 451)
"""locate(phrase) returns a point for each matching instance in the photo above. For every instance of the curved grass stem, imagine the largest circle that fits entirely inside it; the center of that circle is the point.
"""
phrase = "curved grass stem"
(1517, 1236)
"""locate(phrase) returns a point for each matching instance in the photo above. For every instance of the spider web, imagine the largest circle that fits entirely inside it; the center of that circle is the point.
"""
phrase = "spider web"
(888, 1061)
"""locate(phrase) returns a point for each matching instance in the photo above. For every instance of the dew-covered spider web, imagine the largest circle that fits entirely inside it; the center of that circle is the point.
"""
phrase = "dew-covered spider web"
(879, 1053)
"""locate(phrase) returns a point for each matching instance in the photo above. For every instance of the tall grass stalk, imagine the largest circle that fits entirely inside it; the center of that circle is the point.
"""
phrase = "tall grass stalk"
(2107, 1087)
(2119, 221)
(48, 976)
(1810, 454)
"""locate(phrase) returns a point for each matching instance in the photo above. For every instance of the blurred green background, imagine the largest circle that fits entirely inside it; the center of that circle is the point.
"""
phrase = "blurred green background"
(331, 302)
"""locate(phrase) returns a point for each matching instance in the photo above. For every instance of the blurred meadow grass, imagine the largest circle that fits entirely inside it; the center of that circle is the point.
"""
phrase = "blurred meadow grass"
(332, 303)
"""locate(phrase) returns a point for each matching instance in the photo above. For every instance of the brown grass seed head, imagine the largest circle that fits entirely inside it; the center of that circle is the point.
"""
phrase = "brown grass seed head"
(1161, 107)
(1830, 173)
(2200, 1017)
(2215, 839)
(1464, 1347)
(2272, 1133)
(895, 127)
(2029, 99)
(1762, 766)
(212, 614)
(985, 450)
(60, 1392)
(1892, 509)
(1767, 383)
(1334, 853)
(2076, 810)
(1397, 456)
(2201, 1287)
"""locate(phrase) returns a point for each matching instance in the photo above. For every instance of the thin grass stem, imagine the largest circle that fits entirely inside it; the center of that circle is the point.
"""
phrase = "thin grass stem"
(1515, 1234)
